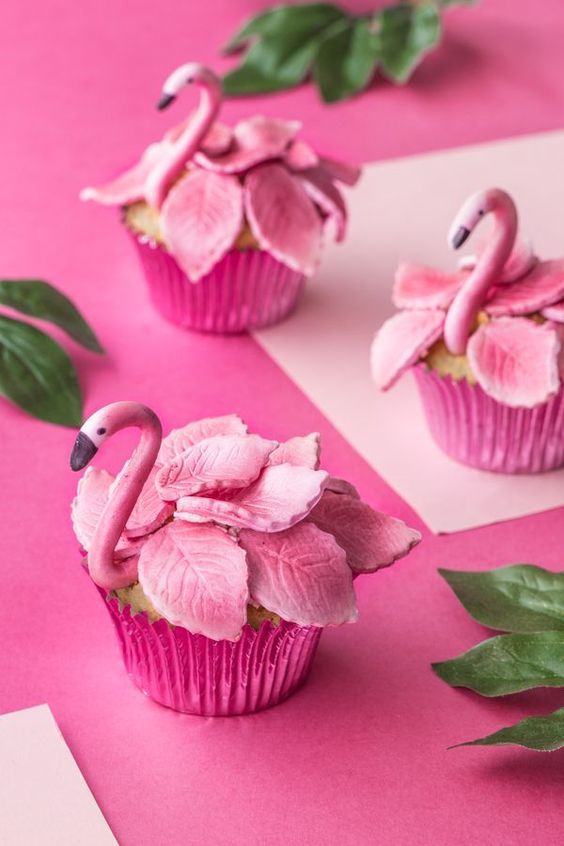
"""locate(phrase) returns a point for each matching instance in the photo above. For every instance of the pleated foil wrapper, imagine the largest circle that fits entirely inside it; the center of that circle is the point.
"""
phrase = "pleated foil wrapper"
(196, 675)
(475, 429)
(247, 289)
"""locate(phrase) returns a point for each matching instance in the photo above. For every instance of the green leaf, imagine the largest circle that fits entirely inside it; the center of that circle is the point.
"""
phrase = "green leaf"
(508, 664)
(289, 40)
(404, 34)
(545, 734)
(307, 20)
(37, 374)
(271, 66)
(518, 598)
(444, 4)
(345, 61)
(39, 299)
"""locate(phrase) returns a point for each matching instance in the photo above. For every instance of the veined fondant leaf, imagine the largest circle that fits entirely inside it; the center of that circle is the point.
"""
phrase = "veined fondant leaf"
(196, 577)
(300, 574)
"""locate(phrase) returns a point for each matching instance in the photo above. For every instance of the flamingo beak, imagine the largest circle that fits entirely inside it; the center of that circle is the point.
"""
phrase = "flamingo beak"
(165, 100)
(460, 237)
(83, 452)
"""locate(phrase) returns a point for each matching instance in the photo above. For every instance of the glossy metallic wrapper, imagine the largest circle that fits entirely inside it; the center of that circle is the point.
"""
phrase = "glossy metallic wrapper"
(475, 429)
(247, 289)
(196, 675)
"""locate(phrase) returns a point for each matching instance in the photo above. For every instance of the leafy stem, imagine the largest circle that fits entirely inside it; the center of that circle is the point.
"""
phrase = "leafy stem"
(527, 603)
(285, 45)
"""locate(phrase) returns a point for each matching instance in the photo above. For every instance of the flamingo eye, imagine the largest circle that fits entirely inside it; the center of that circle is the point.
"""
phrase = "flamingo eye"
(101, 431)
(480, 212)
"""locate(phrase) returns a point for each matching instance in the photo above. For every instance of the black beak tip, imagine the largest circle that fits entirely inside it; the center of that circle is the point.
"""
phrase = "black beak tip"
(165, 101)
(83, 452)
(460, 237)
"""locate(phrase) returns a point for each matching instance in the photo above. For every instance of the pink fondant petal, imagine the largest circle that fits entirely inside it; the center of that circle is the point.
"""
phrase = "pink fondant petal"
(217, 141)
(370, 539)
(300, 156)
(401, 341)
(281, 497)
(319, 188)
(282, 217)
(266, 133)
(416, 286)
(201, 218)
(515, 361)
(91, 497)
(554, 312)
(196, 577)
(129, 186)
(341, 486)
(339, 171)
(300, 574)
(150, 512)
(257, 139)
(540, 288)
(179, 440)
(300, 451)
(215, 464)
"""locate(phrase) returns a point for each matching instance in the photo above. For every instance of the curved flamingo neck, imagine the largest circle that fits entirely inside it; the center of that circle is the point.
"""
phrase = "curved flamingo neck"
(105, 571)
(467, 303)
(185, 146)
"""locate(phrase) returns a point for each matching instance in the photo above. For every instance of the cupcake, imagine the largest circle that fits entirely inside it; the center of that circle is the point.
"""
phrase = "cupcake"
(227, 222)
(221, 556)
(484, 343)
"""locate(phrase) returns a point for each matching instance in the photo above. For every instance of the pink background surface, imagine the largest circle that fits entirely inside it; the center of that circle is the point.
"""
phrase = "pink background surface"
(359, 756)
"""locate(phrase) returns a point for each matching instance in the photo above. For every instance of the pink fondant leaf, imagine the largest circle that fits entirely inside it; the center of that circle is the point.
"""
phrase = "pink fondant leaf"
(554, 312)
(282, 217)
(257, 139)
(300, 574)
(129, 186)
(515, 361)
(91, 497)
(300, 156)
(201, 218)
(370, 539)
(319, 188)
(266, 133)
(401, 342)
(299, 451)
(217, 141)
(540, 288)
(341, 486)
(215, 464)
(339, 171)
(416, 286)
(281, 497)
(179, 440)
(196, 577)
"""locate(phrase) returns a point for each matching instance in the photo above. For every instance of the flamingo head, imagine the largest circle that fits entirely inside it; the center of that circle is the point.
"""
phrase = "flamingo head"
(106, 422)
(191, 73)
(474, 209)
(91, 436)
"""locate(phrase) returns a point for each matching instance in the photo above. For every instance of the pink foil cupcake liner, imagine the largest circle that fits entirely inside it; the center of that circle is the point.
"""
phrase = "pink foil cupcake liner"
(247, 289)
(475, 429)
(196, 675)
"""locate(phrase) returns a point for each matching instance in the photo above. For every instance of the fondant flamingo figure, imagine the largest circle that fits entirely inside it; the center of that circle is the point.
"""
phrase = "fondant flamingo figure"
(483, 311)
(208, 180)
(212, 518)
